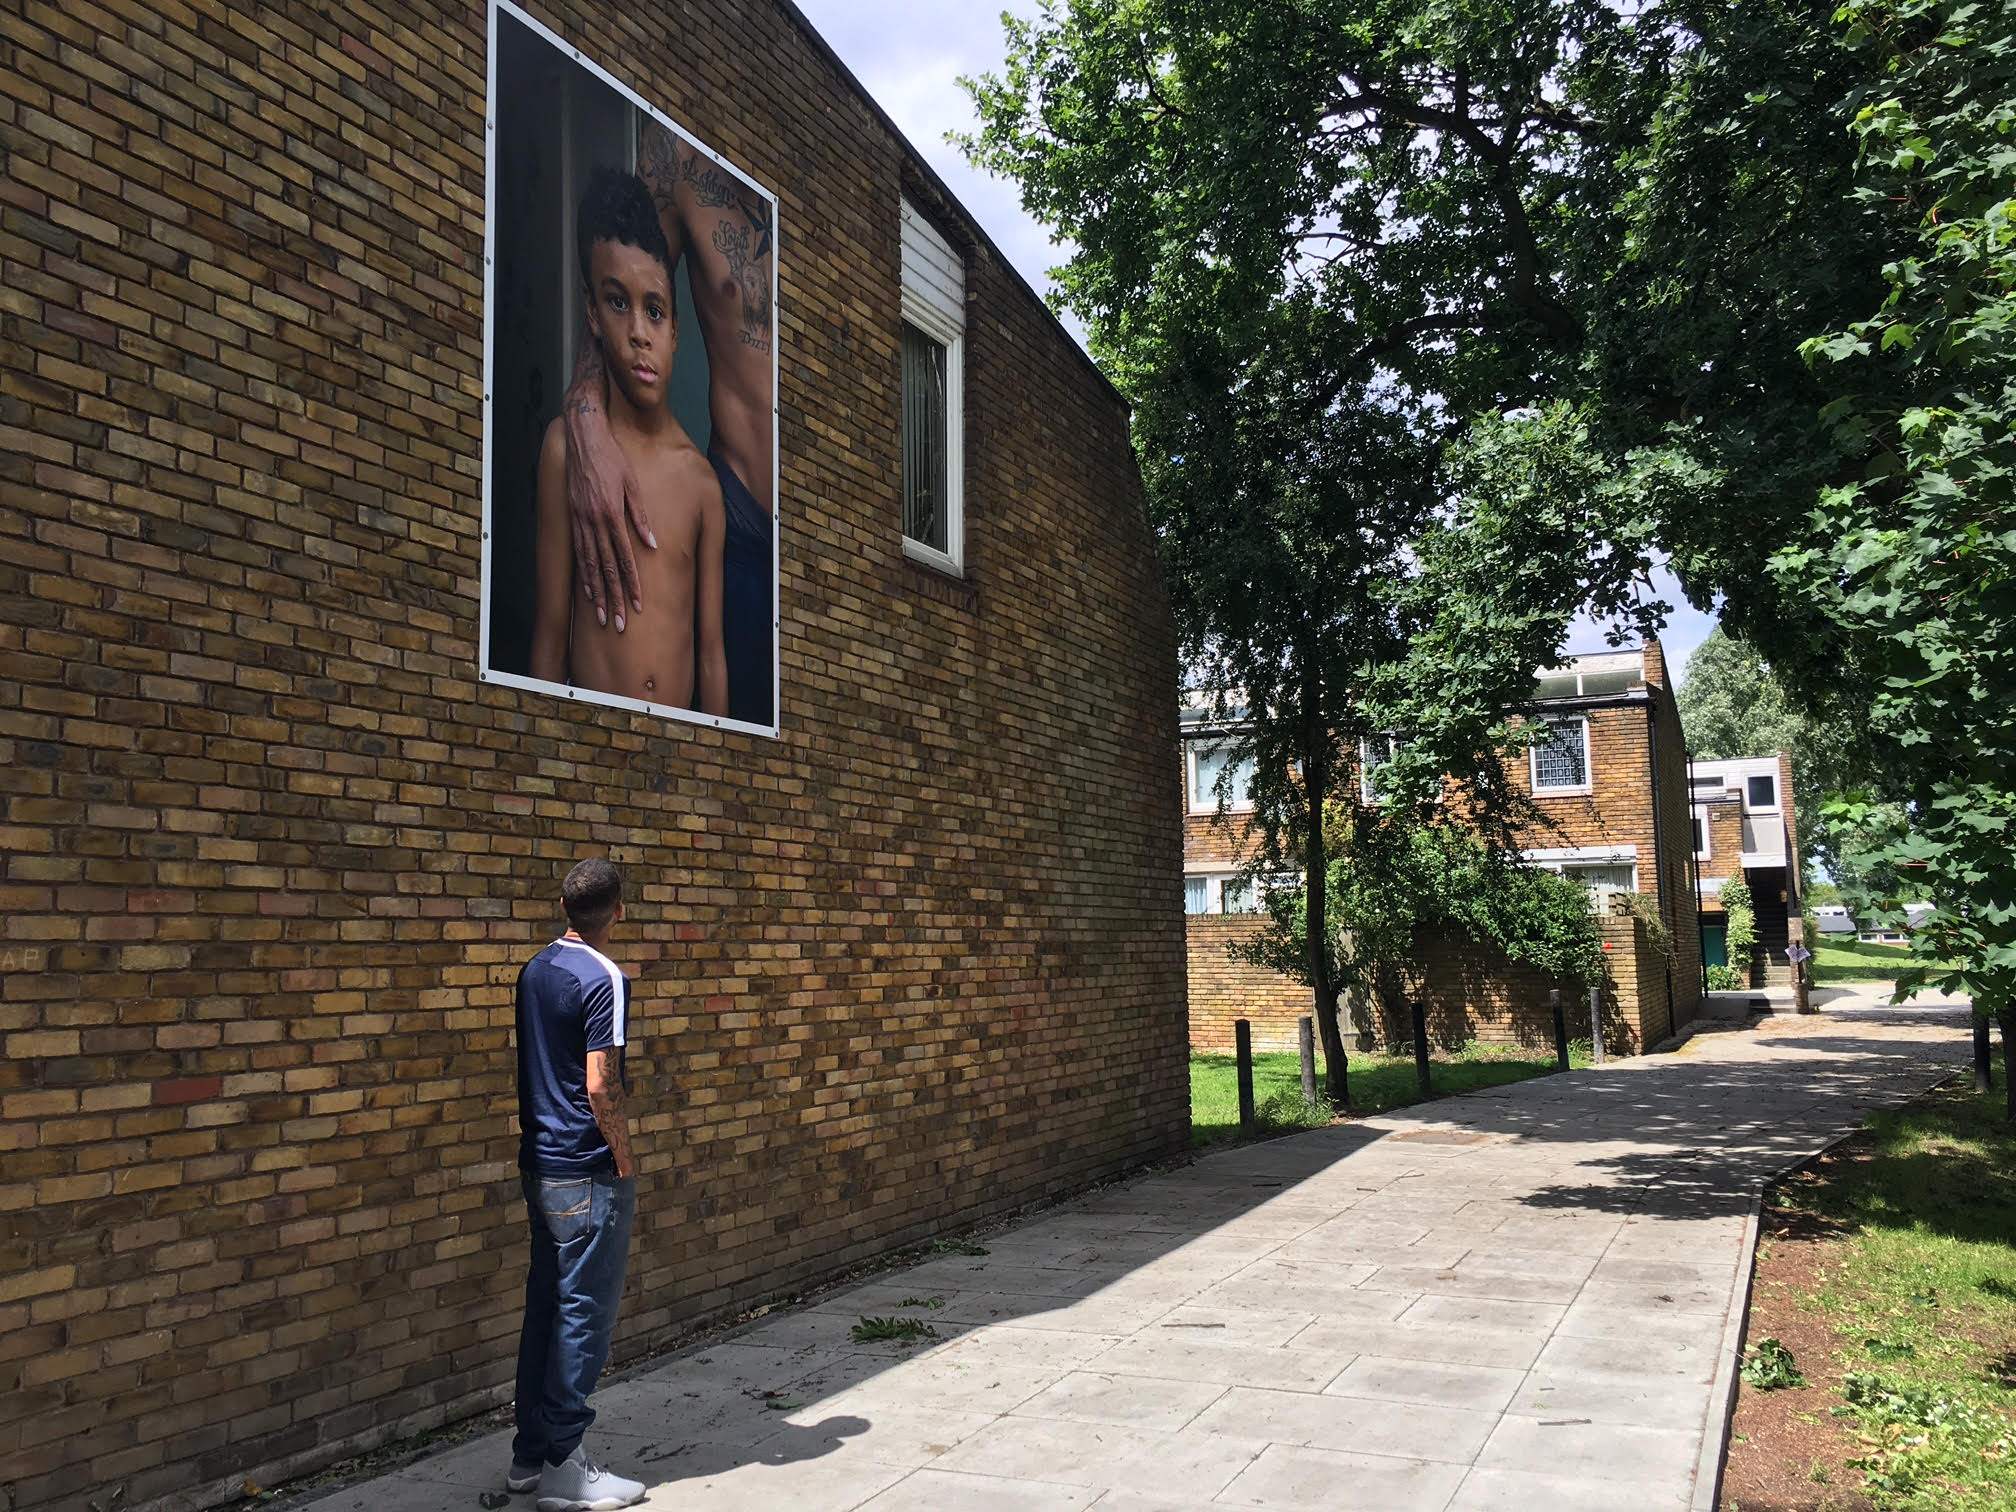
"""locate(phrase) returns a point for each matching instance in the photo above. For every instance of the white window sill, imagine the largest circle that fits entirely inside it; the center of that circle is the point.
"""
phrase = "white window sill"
(931, 556)
(1577, 792)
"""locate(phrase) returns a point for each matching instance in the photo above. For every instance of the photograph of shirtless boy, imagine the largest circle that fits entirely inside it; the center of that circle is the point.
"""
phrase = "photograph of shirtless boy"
(721, 228)
(630, 477)
(671, 649)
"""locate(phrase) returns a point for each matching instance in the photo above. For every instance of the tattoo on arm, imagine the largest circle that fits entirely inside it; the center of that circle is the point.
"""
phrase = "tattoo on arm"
(611, 1106)
(657, 165)
(712, 188)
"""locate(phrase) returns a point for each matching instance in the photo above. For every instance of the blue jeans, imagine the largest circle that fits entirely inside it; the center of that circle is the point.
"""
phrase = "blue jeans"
(580, 1244)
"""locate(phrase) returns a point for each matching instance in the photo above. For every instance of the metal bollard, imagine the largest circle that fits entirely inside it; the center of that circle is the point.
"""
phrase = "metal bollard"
(1420, 1013)
(1596, 1025)
(1560, 1029)
(1242, 1032)
(1308, 1060)
(1984, 1059)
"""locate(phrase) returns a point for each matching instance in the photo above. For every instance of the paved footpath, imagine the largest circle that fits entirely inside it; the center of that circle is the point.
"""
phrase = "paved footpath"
(1523, 1298)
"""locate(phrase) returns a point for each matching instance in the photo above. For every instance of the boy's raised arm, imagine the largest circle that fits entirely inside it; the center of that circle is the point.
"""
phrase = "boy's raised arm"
(710, 654)
(553, 556)
(600, 490)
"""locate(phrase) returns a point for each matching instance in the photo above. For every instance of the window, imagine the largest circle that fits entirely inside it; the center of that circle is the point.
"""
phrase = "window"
(1763, 793)
(1701, 835)
(1374, 752)
(933, 364)
(1207, 764)
(1222, 893)
(1603, 878)
(1561, 757)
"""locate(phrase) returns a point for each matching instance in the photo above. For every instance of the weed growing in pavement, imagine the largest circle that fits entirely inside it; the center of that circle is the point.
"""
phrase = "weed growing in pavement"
(900, 1330)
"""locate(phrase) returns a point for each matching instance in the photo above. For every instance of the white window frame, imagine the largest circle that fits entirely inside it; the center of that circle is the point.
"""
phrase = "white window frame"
(1588, 765)
(1366, 769)
(1216, 884)
(1773, 806)
(1209, 804)
(934, 302)
(1705, 850)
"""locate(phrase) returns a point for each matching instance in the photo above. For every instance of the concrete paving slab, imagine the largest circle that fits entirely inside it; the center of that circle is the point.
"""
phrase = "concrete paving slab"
(1526, 1297)
(1176, 1357)
(1475, 1388)
(1295, 1479)
(1332, 1422)
(1151, 1402)
(945, 1491)
(1522, 1491)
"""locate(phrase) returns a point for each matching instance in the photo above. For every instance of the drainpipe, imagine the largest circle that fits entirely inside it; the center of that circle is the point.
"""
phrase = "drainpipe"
(1694, 863)
(1659, 856)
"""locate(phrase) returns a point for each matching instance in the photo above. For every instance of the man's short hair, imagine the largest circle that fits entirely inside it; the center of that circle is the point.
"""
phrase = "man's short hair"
(590, 894)
(618, 208)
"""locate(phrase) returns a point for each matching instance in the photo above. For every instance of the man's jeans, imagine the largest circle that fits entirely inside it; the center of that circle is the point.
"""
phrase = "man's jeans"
(580, 1243)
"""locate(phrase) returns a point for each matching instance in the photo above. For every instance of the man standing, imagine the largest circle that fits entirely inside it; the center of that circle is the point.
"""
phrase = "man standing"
(580, 1191)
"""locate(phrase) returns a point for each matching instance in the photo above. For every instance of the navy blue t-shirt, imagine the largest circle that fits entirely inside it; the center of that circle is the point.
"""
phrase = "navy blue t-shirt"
(571, 999)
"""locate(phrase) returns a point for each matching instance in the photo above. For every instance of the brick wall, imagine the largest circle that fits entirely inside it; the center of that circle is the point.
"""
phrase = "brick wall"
(273, 854)
(1469, 989)
(1223, 990)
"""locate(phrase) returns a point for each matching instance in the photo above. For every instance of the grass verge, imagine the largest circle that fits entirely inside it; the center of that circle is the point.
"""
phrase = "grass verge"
(1378, 1082)
(1837, 960)
(1914, 1280)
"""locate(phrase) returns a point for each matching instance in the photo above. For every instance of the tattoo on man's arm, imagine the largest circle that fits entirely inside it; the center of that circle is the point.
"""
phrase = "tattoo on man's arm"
(712, 188)
(612, 1117)
(657, 166)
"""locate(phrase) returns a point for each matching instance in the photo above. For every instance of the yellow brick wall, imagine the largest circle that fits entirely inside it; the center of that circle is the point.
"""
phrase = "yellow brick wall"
(1469, 990)
(1224, 990)
(273, 854)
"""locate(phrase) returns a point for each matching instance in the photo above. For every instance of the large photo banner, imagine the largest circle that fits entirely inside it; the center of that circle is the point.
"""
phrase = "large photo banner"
(630, 426)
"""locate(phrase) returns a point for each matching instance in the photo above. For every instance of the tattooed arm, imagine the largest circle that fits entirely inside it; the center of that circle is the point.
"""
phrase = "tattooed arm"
(601, 489)
(612, 1109)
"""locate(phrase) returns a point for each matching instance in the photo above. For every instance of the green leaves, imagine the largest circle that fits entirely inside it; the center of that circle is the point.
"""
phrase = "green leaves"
(1768, 1366)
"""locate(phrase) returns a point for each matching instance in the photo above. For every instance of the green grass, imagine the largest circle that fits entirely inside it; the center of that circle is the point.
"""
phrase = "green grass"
(1839, 959)
(1378, 1082)
(1922, 1298)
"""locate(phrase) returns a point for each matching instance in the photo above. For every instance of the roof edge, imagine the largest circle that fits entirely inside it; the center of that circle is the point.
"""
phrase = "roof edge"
(920, 165)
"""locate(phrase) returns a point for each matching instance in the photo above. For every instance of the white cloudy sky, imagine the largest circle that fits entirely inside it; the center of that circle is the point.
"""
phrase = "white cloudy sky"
(909, 57)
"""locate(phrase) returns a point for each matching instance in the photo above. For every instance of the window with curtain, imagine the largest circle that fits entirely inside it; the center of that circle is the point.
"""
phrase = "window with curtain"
(924, 440)
(1207, 764)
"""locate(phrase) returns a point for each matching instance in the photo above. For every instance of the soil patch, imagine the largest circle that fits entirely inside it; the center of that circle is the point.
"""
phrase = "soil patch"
(1786, 1453)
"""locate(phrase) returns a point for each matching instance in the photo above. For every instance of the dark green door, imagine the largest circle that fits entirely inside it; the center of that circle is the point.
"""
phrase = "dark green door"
(1714, 945)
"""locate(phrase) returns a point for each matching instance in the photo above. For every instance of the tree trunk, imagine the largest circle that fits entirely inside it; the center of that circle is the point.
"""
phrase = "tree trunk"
(2007, 1019)
(1316, 889)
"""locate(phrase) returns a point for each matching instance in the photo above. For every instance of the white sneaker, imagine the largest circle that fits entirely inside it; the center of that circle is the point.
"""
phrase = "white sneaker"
(575, 1485)
(522, 1477)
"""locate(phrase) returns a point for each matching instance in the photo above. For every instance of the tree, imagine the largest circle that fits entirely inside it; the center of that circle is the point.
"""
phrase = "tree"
(1914, 561)
(1308, 235)
(1398, 886)
(1857, 517)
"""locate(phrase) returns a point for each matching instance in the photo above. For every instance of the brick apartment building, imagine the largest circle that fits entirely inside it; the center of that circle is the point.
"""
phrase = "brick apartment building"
(1611, 786)
(1744, 826)
(275, 843)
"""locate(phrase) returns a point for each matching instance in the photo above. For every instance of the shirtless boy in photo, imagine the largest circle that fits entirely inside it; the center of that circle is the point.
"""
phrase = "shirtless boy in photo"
(722, 230)
(671, 650)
